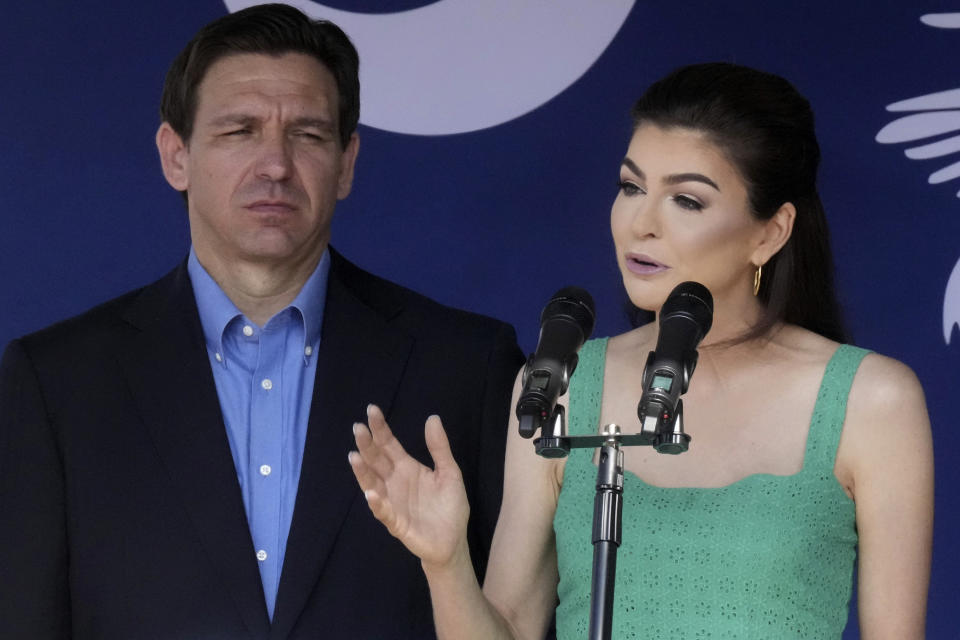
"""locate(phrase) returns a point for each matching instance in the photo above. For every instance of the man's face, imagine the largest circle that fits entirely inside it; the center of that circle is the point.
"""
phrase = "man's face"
(264, 167)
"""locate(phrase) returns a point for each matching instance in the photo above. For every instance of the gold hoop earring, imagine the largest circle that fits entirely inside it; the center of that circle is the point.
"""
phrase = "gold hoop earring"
(756, 279)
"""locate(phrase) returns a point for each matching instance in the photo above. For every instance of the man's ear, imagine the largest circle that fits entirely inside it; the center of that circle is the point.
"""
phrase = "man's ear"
(174, 157)
(347, 161)
(776, 232)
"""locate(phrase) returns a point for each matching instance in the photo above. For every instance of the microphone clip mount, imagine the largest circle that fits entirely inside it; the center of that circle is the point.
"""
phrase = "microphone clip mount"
(665, 438)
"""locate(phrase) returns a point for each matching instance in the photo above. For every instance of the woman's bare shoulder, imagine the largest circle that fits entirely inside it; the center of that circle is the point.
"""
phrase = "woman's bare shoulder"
(886, 425)
(885, 390)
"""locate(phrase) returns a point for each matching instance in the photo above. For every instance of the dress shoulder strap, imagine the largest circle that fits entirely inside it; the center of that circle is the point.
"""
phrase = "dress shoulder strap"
(830, 410)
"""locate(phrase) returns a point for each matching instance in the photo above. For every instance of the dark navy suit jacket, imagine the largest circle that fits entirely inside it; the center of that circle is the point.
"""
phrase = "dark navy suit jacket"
(120, 512)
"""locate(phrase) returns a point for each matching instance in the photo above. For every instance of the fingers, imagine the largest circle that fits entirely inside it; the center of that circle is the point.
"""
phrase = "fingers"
(379, 429)
(439, 446)
(366, 477)
(376, 444)
(374, 491)
(381, 451)
(374, 465)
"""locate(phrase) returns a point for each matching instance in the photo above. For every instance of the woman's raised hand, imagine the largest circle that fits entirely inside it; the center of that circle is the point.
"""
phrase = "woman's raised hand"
(427, 510)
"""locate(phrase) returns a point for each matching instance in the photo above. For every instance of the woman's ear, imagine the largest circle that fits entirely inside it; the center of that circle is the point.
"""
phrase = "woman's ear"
(776, 232)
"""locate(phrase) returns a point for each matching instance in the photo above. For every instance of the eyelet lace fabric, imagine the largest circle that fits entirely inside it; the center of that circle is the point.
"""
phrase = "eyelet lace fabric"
(765, 557)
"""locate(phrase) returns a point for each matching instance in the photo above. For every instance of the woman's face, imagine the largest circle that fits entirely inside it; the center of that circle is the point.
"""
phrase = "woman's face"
(682, 213)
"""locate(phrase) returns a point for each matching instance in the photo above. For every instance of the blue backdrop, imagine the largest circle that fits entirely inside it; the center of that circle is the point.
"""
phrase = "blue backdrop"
(494, 217)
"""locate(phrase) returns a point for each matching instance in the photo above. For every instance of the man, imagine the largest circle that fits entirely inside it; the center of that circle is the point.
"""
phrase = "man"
(173, 463)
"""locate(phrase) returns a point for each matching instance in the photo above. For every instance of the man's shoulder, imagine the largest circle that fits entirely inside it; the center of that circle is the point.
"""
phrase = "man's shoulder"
(104, 323)
(414, 311)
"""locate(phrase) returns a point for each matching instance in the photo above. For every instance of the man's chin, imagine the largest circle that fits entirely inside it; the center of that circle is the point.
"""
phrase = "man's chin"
(279, 253)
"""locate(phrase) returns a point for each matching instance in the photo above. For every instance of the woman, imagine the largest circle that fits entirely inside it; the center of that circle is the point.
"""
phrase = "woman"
(802, 448)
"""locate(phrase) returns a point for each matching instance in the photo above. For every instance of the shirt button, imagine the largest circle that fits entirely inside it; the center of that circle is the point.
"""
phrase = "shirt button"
(265, 469)
(247, 330)
(261, 555)
(308, 350)
(218, 357)
(267, 384)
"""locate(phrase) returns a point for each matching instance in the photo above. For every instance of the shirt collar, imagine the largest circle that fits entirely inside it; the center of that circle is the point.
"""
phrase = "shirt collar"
(217, 310)
(311, 301)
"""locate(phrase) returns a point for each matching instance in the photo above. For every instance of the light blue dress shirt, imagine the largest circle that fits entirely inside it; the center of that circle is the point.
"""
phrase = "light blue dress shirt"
(264, 378)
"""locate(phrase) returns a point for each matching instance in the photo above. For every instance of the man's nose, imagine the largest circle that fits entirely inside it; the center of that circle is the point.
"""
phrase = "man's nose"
(275, 158)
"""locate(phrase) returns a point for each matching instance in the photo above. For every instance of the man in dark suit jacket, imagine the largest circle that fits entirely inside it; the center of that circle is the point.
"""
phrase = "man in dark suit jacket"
(126, 506)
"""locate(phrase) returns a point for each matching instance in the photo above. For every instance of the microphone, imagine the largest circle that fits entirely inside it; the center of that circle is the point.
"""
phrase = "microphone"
(685, 319)
(565, 324)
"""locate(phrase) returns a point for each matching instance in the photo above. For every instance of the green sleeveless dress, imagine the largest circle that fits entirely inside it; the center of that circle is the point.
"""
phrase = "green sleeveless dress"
(766, 557)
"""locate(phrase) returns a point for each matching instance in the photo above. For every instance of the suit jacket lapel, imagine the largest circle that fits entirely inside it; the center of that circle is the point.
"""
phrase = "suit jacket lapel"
(171, 381)
(361, 360)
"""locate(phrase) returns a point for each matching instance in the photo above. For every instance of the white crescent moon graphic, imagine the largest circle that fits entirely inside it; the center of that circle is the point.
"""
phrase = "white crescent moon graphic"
(462, 65)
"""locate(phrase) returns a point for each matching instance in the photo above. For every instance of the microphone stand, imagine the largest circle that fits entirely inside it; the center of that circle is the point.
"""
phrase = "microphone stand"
(607, 530)
(608, 502)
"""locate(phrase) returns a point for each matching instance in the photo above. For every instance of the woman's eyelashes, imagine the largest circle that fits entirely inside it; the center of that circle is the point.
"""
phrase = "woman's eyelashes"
(629, 188)
(688, 202)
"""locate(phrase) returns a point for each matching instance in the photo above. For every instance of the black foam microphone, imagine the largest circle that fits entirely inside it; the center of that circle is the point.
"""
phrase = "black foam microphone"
(565, 324)
(685, 319)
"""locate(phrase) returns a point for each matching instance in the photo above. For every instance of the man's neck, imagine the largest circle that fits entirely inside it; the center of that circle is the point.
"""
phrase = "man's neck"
(260, 289)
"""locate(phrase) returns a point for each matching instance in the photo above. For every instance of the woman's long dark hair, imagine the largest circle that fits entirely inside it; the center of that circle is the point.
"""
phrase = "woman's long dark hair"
(765, 129)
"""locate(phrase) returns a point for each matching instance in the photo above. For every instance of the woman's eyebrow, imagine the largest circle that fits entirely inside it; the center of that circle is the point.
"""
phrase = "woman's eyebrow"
(675, 178)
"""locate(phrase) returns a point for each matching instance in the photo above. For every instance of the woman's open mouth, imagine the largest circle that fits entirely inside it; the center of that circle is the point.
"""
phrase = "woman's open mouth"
(644, 265)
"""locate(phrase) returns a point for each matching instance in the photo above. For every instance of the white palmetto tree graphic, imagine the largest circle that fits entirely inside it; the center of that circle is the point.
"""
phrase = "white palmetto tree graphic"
(933, 130)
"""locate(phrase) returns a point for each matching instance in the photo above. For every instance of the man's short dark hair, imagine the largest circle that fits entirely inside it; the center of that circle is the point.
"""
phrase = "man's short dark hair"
(272, 29)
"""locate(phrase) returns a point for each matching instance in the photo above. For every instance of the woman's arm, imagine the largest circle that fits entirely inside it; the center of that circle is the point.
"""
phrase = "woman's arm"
(888, 446)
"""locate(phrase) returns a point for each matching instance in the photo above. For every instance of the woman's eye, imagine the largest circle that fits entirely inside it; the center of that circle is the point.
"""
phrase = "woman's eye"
(686, 202)
(629, 188)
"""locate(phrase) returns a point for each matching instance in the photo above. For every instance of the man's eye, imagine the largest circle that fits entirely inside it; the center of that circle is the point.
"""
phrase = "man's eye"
(311, 136)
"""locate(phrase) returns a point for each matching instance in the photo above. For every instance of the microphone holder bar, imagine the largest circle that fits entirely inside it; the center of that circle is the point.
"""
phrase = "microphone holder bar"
(608, 501)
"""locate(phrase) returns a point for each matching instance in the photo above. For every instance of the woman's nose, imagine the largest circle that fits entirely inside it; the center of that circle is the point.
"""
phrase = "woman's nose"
(646, 218)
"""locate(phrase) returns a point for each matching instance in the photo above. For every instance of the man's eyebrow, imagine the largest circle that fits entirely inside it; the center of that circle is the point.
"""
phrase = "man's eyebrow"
(232, 119)
(319, 123)
(675, 178)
